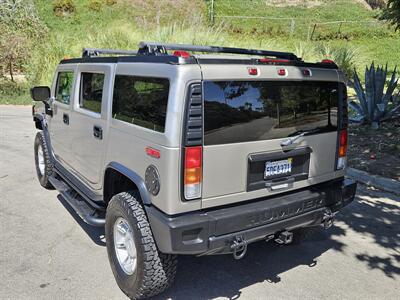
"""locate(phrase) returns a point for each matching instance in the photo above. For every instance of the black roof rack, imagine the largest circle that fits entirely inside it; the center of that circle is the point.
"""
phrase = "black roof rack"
(90, 52)
(151, 48)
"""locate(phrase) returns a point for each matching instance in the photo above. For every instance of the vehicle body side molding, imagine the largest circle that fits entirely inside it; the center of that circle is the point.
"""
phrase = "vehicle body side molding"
(135, 178)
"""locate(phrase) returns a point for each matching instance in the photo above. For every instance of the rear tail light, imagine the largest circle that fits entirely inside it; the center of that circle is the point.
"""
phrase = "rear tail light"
(193, 170)
(342, 150)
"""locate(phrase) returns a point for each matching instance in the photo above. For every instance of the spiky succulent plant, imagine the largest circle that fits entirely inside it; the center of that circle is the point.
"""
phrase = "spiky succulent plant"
(375, 104)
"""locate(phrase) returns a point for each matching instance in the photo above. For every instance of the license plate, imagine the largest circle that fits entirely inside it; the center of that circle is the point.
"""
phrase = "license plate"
(279, 167)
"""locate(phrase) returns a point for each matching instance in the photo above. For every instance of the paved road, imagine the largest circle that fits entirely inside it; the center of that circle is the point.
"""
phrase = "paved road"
(47, 253)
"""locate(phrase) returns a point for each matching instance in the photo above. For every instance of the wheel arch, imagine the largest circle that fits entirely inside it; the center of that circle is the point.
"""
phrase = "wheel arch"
(118, 178)
(38, 119)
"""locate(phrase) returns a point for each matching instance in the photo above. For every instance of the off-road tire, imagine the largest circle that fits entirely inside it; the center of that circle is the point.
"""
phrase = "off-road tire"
(48, 169)
(155, 271)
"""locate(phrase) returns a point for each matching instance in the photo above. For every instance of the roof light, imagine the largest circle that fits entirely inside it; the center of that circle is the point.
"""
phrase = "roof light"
(182, 54)
(253, 71)
(282, 72)
(306, 72)
(328, 61)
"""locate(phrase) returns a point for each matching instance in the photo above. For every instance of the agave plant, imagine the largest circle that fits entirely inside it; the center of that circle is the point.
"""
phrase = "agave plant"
(374, 102)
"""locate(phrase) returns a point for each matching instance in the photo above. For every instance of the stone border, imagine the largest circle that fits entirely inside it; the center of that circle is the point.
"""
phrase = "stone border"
(386, 184)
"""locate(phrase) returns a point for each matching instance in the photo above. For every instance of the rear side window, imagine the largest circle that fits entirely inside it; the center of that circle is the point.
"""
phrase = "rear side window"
(245, 111)
(91, 92)
(64, 87)
(141, 101)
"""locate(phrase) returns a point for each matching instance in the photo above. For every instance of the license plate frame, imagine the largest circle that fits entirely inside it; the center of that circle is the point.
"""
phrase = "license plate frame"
(274, 168)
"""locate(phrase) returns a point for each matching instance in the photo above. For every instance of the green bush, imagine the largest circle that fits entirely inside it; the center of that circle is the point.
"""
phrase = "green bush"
(63, 7)
(95, 5)
(343, 56)
(111, 2)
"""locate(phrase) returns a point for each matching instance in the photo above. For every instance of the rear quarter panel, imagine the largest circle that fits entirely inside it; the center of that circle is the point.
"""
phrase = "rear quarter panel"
(127, 142)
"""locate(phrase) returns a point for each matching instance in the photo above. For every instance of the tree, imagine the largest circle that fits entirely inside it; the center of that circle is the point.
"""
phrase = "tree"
(392, 13)
(13, 53)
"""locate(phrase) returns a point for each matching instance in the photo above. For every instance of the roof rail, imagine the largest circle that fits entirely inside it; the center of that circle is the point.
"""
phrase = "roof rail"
(151, 48)
(90, 52)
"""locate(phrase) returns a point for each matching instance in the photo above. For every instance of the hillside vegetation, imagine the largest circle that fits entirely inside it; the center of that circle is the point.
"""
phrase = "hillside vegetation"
(61, 28)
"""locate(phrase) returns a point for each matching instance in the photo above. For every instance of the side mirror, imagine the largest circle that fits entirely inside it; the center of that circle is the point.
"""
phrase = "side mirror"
(40, 93)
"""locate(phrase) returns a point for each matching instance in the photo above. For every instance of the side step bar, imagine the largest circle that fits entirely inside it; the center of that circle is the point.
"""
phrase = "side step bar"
(86, 212)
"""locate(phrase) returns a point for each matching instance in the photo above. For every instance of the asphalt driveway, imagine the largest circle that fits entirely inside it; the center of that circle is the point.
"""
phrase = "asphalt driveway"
(46, 252)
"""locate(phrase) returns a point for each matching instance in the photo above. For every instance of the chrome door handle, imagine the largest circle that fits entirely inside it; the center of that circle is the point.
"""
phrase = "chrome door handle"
(97, 132)
(66, 119)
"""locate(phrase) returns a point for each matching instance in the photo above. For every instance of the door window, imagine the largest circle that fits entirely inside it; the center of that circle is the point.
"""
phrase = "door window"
(64, 87)
(91, 91)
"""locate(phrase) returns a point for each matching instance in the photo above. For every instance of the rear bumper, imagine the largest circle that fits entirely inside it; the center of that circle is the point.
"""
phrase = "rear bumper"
(213, 231)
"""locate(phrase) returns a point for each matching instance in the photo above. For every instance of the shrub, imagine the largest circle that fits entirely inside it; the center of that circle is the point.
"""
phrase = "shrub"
(376, 4)
(342, 56)
(375, 105)
(111, 2)
(95, 5)
(63, 7)
(392, 13)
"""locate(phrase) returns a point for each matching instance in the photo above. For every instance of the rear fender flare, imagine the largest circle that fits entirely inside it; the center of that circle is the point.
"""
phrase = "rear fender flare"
(135, 178)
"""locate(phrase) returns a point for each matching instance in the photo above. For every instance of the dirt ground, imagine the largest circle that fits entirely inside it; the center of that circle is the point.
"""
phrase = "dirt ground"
(376, 151)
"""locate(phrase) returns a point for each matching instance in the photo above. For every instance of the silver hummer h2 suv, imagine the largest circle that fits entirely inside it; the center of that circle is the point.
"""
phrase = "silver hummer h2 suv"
(182, 153)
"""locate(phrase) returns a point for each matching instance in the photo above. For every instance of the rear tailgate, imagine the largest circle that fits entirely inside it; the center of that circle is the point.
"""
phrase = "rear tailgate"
(247, 117)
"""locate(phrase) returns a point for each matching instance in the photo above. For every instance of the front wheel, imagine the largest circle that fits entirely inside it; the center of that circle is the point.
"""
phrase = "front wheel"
(140, 270)
(44, 167)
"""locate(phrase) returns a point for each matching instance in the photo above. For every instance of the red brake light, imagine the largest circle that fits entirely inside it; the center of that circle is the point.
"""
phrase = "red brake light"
(274, 61)
(343, 143)
(183, 54)
(327, 61)
(193, 172)
(193, 157)
(153, 152)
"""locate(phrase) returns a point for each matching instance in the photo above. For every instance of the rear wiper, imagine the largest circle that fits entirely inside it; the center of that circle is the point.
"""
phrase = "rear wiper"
(301, 133)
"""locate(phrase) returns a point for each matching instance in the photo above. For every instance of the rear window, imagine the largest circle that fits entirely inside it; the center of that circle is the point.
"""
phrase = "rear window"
(141, 101)
(244, 111)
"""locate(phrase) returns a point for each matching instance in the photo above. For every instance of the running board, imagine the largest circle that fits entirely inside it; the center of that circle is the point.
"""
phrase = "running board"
(85, 211)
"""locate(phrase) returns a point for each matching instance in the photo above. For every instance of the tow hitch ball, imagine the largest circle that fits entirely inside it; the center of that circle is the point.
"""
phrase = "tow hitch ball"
(239, 247)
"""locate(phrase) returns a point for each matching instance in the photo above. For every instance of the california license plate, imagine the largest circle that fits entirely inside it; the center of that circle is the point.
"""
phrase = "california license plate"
(279, 167)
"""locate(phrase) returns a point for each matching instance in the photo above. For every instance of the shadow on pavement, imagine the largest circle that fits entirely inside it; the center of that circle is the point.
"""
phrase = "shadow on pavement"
(221, 276)
(95, 233)
(376, 215)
